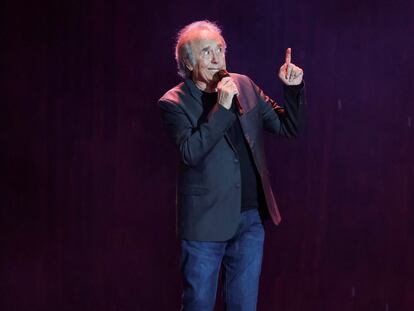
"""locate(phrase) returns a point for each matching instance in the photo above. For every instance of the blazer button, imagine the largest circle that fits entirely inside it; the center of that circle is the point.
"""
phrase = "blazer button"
(236, 160)
(237, 185)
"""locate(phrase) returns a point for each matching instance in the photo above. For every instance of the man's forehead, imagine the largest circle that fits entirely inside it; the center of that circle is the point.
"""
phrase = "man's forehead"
(204, 36)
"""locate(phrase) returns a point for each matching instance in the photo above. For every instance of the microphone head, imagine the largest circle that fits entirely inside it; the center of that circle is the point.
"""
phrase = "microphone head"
(222, 73)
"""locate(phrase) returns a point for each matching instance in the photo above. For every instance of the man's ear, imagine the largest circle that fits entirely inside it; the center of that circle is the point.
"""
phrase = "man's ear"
(188, 65)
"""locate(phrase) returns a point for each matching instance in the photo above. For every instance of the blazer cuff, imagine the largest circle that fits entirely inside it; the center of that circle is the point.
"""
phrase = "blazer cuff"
(294, 88)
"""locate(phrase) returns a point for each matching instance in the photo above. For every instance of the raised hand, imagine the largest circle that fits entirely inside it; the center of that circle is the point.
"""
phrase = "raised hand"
(289, 73)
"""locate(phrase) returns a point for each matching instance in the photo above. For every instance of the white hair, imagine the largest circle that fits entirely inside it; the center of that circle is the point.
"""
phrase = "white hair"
(183, 50)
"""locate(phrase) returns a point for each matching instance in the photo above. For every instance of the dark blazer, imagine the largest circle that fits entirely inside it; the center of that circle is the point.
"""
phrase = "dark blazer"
(209, 180)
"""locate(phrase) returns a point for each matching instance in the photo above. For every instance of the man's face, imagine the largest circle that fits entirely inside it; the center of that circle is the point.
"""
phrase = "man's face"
(209, 55)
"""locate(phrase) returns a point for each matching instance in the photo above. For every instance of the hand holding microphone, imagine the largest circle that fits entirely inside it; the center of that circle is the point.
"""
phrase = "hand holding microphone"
(227, 90)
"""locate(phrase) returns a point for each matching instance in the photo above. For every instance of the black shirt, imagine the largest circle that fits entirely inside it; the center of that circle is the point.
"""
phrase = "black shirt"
(250, 179)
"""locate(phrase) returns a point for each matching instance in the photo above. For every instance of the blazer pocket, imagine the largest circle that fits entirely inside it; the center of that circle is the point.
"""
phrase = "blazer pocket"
(192, 190)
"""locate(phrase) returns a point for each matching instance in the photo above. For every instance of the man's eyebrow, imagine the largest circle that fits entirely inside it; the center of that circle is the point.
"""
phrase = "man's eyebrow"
(208, 47)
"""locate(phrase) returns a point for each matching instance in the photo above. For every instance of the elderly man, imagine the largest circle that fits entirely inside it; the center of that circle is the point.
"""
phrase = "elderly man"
(216, 120)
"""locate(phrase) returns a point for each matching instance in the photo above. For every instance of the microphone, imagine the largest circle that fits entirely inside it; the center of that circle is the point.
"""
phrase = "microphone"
(222, 73)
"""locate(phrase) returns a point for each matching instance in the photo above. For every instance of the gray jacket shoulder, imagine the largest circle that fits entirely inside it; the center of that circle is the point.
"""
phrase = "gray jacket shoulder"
(176, 95)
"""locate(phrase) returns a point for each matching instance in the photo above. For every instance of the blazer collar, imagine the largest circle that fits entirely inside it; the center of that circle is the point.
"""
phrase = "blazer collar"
(194, 90)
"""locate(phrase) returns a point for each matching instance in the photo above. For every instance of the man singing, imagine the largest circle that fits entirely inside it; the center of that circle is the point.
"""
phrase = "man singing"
(216, 120)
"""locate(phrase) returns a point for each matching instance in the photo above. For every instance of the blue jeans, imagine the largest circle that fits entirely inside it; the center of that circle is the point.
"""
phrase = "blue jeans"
(241, 257)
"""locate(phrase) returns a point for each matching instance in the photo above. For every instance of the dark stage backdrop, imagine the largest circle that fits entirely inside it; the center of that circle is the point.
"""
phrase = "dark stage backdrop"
(88, 175)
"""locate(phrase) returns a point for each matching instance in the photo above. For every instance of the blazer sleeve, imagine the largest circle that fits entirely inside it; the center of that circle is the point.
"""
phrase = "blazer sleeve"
(194, 143)
(288, 120)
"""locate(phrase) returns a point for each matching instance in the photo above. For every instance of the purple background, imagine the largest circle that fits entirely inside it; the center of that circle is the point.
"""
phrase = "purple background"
(87, 174)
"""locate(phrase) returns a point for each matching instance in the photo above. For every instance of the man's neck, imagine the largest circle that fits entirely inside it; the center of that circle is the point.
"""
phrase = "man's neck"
(208, 88)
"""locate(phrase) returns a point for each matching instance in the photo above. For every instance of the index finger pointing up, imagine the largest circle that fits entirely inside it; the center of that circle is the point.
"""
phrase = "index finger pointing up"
(288, 57)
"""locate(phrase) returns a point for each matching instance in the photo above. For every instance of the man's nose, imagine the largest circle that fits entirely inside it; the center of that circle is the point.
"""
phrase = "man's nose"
(215, 57)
